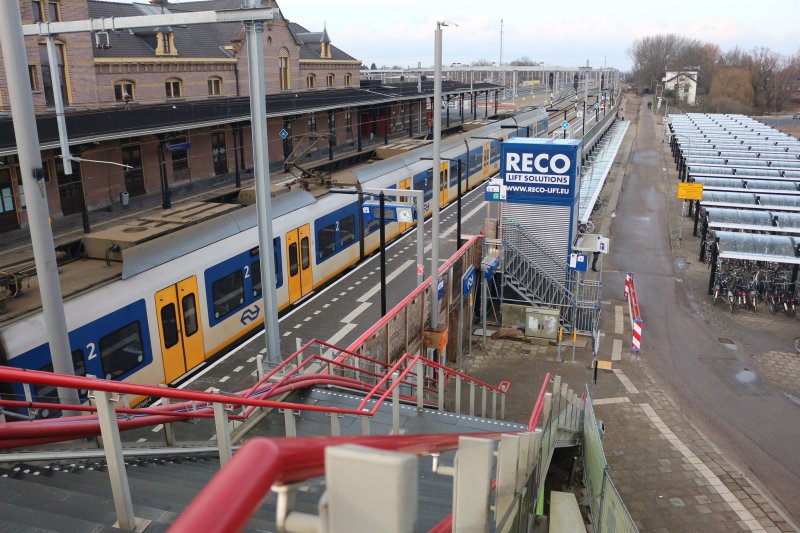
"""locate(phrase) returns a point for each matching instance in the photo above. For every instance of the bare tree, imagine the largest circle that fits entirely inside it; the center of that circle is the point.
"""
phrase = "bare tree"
(523, 61)
(481, 63)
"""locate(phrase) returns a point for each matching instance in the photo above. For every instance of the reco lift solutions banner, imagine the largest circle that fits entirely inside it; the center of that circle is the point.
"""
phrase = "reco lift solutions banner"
(537, 171)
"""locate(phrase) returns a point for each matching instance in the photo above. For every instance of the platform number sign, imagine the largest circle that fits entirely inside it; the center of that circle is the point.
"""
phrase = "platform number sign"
(283, 134)
(597, 105)
(565, 124)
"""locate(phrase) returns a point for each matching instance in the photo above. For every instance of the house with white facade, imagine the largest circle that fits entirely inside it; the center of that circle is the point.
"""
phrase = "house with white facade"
(684, 83)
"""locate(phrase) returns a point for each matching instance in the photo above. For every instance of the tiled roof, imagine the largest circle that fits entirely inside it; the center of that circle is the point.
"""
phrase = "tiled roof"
(311, 44)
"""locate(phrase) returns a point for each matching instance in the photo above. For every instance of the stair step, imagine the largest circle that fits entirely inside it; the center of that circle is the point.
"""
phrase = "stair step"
(43, 519)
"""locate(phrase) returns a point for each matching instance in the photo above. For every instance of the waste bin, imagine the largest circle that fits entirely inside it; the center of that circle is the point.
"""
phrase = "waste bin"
(124, 198)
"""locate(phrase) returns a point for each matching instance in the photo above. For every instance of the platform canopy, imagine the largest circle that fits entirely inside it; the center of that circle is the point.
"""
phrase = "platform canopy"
(757, 247)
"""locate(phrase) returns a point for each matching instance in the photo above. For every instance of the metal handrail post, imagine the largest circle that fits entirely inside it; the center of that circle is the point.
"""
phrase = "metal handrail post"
(441, 390)
(395, 404)
(223, 433)
(458, 395)
(112, 445)
(471, 398)
(420, 384)
(483, 402)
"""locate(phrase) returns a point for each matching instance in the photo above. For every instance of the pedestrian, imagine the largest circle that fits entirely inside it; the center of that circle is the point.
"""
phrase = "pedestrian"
(595, 257)
(127, 99)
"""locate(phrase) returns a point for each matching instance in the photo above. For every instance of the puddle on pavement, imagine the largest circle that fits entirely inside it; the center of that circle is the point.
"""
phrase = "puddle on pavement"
(746, 376)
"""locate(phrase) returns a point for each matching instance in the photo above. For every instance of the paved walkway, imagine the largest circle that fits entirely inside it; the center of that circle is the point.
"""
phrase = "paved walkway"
(670, 474)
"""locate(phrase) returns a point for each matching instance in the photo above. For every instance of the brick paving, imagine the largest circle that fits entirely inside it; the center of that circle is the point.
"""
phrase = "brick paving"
(672, 477)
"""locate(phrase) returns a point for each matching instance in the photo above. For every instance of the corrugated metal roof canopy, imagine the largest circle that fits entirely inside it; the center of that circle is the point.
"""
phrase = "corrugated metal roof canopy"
(756, 247)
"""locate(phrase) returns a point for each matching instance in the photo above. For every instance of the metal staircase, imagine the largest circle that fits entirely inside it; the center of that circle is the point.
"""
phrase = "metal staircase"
(533, 271)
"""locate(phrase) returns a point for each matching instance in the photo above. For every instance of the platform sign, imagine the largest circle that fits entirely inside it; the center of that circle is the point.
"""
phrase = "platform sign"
(579, 114)
(565, 124)
(392, 211)
(690, 191)
(540, 171)
(468, 281)
(495, 190)
(597, 105)
(283, 134)
(440, 287)
(579, 262)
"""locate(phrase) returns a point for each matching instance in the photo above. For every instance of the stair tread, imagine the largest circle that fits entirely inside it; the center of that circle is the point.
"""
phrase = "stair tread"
(41, 518)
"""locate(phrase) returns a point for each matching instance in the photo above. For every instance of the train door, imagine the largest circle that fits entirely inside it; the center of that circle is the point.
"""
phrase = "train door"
(405, 184)
(486, 160)
(443, 182)
(179, 328)
(298, 259)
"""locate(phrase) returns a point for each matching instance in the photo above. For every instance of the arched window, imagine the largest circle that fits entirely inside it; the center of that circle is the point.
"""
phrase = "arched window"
(348, 80)
(214, 86)
(283, 69)
(330, 80)
(123, 87)
(173, 88)
(269, 41)
(311, 81)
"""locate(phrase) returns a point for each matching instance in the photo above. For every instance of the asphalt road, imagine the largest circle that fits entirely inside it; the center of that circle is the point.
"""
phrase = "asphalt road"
(755, 424)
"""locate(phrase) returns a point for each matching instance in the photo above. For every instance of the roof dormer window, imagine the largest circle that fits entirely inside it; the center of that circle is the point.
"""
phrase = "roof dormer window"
(165, 44)
(325, 50)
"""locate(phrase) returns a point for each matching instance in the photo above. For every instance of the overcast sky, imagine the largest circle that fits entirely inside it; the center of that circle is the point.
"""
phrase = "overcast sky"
(558, 33)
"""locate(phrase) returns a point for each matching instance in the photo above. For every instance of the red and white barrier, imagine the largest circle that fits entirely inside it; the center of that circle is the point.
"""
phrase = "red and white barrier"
(634, 313)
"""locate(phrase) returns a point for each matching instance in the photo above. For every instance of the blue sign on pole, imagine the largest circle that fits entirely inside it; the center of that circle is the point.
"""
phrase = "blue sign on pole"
(540, 171)
(579, 262)
(441, 288)
(283, 134)
(469, 281)
(597, 105)
(565, 124)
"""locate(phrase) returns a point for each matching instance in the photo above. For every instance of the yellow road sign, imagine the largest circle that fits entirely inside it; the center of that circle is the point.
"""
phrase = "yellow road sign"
(604, 365)
(690, 191)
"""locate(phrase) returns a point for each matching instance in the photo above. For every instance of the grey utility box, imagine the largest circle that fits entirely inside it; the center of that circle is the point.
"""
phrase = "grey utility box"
(541, 322)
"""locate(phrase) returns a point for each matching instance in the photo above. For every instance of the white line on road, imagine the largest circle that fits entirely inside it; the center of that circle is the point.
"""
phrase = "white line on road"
(374, 290)
(618, 320)
(747, 519)
(355, 312)
(238, 368)
(605, 401)
(347, 328)
(629, 386)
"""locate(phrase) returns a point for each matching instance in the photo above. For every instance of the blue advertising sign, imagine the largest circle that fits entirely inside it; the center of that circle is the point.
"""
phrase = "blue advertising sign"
(540, 171)
(469, 281)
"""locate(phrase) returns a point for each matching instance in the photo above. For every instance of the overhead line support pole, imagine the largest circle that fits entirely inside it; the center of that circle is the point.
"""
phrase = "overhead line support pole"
(12, 43)
(258, 121)
(437, 142)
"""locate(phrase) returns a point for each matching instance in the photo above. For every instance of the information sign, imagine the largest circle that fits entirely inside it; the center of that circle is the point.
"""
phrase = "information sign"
(690, 191)
(578, 262)
(565, 124)
(283, 134)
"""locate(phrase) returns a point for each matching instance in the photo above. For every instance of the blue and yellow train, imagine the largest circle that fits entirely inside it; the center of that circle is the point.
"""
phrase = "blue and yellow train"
(181, 299)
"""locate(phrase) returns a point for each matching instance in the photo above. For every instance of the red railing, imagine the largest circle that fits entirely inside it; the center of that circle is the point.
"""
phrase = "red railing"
(34, 432)
(262, 462)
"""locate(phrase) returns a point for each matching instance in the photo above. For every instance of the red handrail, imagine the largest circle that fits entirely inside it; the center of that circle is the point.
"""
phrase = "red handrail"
(262, 462)
(538, 407)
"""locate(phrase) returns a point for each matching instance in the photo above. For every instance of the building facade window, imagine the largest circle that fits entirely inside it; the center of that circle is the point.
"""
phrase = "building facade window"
(33, 78)
(348, 121)
(312, 123)
(47, 82)
(38, 13)
(123, 87)
(330, 80)
(180, 165)
(173, 88)
(54, 10)
(269, 41)
(311, 81)
(214, 86)
(283, 69)
(348, 80)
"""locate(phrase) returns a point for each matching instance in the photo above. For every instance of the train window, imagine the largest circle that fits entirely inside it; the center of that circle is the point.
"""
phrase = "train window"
(305, 256)
(122, 350)
(189, 315)
(169, 325)
(326, 241)
(347, 230)
(255, 273)
(293, 259)
(372, 225)
(228, 294)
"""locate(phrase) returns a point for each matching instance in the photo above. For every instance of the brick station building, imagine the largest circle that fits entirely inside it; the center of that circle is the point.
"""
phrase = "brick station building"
(172, 103)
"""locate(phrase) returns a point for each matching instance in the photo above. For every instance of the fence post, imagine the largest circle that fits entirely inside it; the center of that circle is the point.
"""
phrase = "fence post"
(335, 430)
(507, 458)
(494, 404)
(112, 446)
(483, 402)
(503, 405)
(472, 483)
(223, 433)
(288, 421)
(420, 384)
(365, 425)
(458, 395)
(395, 404)
(169, 432)
(471, 398)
